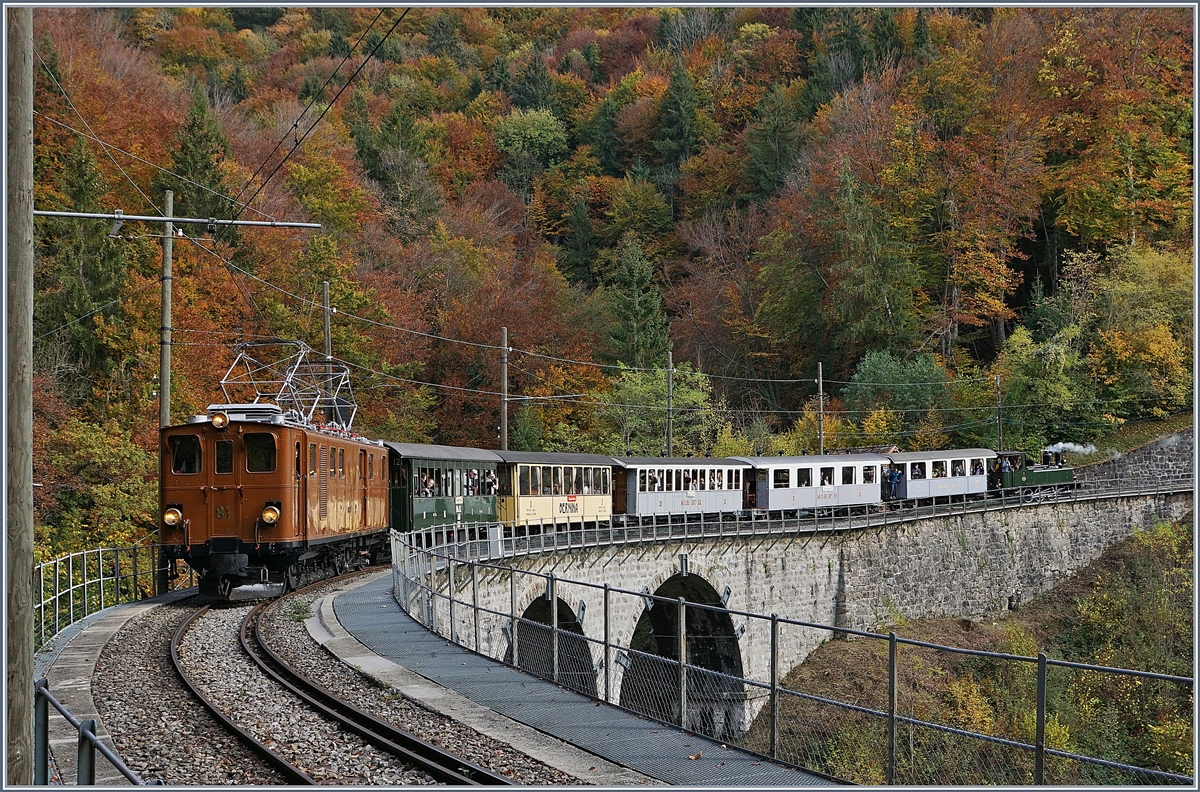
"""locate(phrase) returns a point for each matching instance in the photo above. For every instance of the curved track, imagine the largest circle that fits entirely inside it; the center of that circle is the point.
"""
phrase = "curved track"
(438, 763)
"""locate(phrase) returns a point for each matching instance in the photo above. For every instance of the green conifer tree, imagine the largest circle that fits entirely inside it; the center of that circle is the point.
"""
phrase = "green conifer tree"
(640, 333)
(772, 140)
(678, 125)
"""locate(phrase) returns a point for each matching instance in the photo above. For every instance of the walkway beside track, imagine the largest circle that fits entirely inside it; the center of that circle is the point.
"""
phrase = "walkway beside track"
(382, 637)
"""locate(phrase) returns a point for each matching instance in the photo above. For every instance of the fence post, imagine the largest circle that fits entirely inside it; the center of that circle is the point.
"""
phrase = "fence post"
(42, 602)
(552, 593)
(450, 592)
(891, 769)
(71, 588)
(512, 612)
(607, 647)
(1039, 756)
(774, 685)
(86, 755)
(475, 601)
(135, 575)
(682, 664)
(41, 734)
(57, 592)
(117, 575)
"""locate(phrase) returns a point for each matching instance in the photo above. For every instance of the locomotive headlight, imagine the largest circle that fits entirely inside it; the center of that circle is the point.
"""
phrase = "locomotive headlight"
(172, 516)
(270, 515)
(220, 420)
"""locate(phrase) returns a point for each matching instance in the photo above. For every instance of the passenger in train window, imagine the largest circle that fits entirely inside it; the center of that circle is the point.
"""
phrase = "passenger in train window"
(869, 474)
(958, 467)
(493, 483)
(687, 480)
(939, 469)
(587, 481)
(826, 477)
(535, 480)
(918, 471)
(803, 477)
(976, 467)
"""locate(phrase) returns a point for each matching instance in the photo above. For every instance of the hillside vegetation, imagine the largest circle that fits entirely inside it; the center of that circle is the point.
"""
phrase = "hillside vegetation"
(1132, 608)
(937, 205)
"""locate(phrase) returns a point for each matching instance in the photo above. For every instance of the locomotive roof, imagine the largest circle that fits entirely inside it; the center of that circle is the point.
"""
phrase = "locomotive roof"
(422, 451)
(554, 458)
(813, 459)
(951, 453)
(628, 462)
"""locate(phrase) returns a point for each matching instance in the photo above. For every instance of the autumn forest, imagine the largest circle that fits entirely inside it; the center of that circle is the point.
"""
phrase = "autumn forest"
(939, 206)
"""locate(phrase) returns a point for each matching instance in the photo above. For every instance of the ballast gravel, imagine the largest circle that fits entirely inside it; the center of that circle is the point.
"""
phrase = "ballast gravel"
(160, 731)
(282, 629)
(163, 733)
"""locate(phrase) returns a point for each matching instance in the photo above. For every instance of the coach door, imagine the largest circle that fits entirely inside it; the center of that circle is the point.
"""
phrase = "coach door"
(620, 494)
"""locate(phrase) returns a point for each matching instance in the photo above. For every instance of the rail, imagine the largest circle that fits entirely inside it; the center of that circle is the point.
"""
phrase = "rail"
(72, 587)
(898, 739)
(87, 746)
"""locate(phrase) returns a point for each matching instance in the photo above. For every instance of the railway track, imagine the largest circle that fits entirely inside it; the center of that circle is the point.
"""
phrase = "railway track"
(302, 730)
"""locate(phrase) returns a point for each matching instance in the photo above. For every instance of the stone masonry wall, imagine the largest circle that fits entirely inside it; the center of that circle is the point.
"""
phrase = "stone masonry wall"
(1168, 457)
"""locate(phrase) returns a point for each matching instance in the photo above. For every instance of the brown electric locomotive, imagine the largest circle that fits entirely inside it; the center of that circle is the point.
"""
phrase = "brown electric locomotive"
(258, 504)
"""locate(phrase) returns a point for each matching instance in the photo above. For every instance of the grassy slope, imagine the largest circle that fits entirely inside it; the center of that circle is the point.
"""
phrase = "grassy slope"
(1130, 436)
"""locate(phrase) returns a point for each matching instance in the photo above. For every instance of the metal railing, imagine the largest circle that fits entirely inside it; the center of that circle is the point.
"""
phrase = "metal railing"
(71, 588)
(87, 745)
(481, 540)
(902, 738)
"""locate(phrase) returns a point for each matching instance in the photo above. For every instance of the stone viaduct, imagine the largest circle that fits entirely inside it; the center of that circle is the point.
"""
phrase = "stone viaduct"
(973, 562)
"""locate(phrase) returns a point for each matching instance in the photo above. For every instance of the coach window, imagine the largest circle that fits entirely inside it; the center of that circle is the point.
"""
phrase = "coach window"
(803, 477)
(312, 459)
(869, 474)
(185, 454)
(225, 456)
(939, 469)
(546, 472)
(782, 478)
(958, 467)
(604, 475)
(826, 477)
(523, 479)
(917, 471)
(848, 474)
(976, 467)
(260, 452)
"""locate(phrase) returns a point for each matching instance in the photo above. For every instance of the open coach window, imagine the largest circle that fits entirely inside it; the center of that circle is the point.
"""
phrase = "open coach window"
(260, 452)
(185, 454)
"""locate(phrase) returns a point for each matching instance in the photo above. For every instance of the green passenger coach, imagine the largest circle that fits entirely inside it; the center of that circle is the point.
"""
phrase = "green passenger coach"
(435, 485)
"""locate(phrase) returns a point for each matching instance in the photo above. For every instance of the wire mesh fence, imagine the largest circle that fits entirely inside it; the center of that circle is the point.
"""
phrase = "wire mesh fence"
(72, 587)
(921, 714)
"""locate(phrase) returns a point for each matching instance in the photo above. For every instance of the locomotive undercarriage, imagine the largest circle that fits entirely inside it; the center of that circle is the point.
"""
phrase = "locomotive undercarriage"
(240, 573)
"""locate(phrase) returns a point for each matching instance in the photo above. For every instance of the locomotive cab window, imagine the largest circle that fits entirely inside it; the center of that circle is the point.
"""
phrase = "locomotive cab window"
(224, 456)
(185, 454)
(260, 452)
(312, 459)
(341, 463)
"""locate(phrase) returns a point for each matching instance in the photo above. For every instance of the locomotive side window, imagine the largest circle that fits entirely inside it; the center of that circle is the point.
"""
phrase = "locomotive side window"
(260, 452)
(803, 477)
(371, 466)
(869, 474)
(848, 474)
(341, 463)
(224, 456)
(185, 454)
(312, 459)
(939, 469)
(782, 478)
(332, 462)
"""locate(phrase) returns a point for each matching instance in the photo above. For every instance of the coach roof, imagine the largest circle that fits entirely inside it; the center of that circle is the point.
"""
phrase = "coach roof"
(441, 452)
